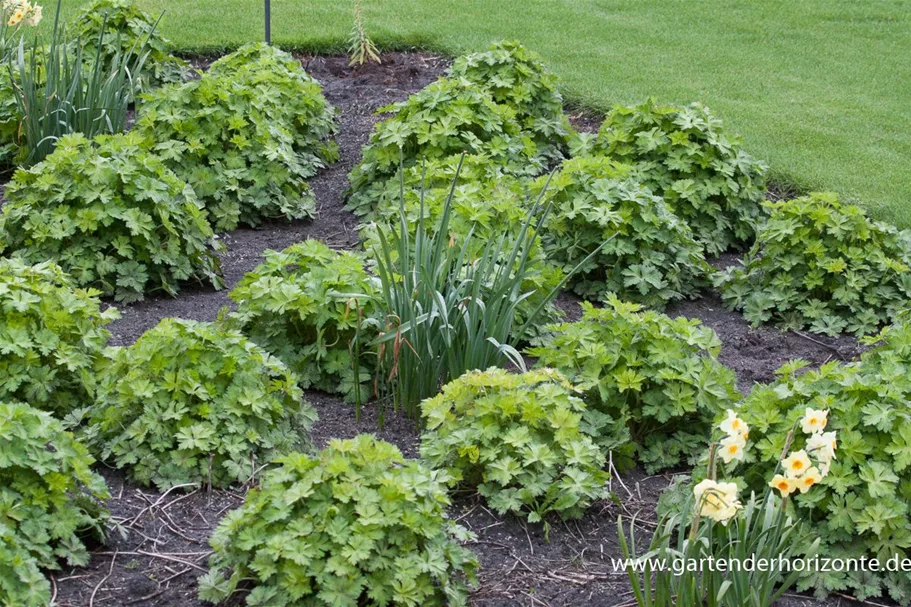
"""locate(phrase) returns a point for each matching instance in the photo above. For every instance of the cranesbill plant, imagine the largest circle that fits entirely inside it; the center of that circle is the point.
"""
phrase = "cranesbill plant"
(685, 156)
(111, 215)
(51, 335)
(247, 136)
(822, 265)
(517, 439)
(309, 306)
(651, 257)
(657, 375)
(194, 402)
(355, 524)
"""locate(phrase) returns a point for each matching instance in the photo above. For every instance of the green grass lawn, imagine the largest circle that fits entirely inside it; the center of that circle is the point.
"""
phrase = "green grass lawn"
(820, 89)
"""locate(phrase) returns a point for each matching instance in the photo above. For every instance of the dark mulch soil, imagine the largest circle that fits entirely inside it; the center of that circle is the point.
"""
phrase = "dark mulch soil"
(159, 546)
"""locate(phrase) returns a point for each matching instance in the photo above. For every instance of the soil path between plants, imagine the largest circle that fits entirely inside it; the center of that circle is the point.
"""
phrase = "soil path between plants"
(164, 544)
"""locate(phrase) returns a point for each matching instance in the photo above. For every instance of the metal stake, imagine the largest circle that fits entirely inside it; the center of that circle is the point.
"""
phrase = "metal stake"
(268, 21)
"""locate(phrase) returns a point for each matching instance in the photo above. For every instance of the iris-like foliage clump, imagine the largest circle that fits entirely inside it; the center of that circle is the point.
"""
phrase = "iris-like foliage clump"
(656, 375)
(51, 335)
(685, 156)
(306, 305)
(822, 265)
(651, 256)
(355, 524)
(518, 439)
(112, 215)
(49, 500)
(247, 135)
(194, 402)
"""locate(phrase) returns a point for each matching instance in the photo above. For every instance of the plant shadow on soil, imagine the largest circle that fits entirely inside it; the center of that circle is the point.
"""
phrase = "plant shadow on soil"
(160, 544)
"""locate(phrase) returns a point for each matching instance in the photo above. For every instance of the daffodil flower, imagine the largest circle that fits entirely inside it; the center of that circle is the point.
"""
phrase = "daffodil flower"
(810, 478)
(785, 485)
(717, 501)
(796, 464)
(734, 426)
(814, 420)
(732, 448)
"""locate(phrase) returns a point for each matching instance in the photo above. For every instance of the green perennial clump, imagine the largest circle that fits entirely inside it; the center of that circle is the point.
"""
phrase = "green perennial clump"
(353, 525)
(192, 402)
(822, 265)
(51, 335)
(49, 501)
(247, 135)
(651, 256)
(112, 215)
(685, 156)
(642, 370)
(517, 439)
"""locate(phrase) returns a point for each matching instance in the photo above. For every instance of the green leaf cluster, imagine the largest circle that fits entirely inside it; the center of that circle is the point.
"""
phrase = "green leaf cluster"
(355, 525)
(247, 135)
(823, 265)
(9, 121)
(49, 498)
(486, 203)
(651, 257)
(448, 117)
(111, 214)
(305, 305)
(518, 439)
(657, 375)
(685, 156)
(195, 402)
(51, 335)
(863, 506)
(127, 29)
(516, 77)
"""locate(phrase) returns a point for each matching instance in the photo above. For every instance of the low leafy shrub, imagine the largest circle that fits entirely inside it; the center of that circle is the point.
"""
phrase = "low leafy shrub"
(112, 215)
(448, 117)
(50, 337)
(864, 508)
(21, 581)
(302, 305)
(247, 135)
(651, 257)
(658, 375)
(518, 439)
(356, 524)
(824, 265)
(128, 29)
(194, 402)
(49, 499)
(517, 78)
(684, 155)
(10, 118)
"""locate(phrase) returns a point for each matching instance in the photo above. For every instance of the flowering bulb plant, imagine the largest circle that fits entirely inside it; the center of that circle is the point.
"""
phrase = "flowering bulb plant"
(716, 551)
(17, 13)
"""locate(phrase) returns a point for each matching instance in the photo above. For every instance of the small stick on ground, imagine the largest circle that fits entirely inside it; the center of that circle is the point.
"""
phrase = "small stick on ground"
(103, 580)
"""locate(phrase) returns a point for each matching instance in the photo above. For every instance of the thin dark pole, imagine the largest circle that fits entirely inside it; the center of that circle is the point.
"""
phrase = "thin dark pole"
(268, 21)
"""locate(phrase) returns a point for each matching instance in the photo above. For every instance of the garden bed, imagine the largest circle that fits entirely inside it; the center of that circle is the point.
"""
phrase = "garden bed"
(165, 548)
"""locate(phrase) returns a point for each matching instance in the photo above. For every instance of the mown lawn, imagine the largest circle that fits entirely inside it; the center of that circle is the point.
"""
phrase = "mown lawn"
(820, 89)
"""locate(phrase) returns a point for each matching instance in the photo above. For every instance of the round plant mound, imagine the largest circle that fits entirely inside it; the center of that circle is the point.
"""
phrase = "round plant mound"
(822, 265)
(51, 334)
(127, 29)
(518, 439)
(516, 77)
(49, 500)
(194, 402)
(247, 136)
(863, 505)
(448, 117)
(306, 305)
(111, 215)
(684, 155)
(656, 375)
(650, 257)
(355, 524)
